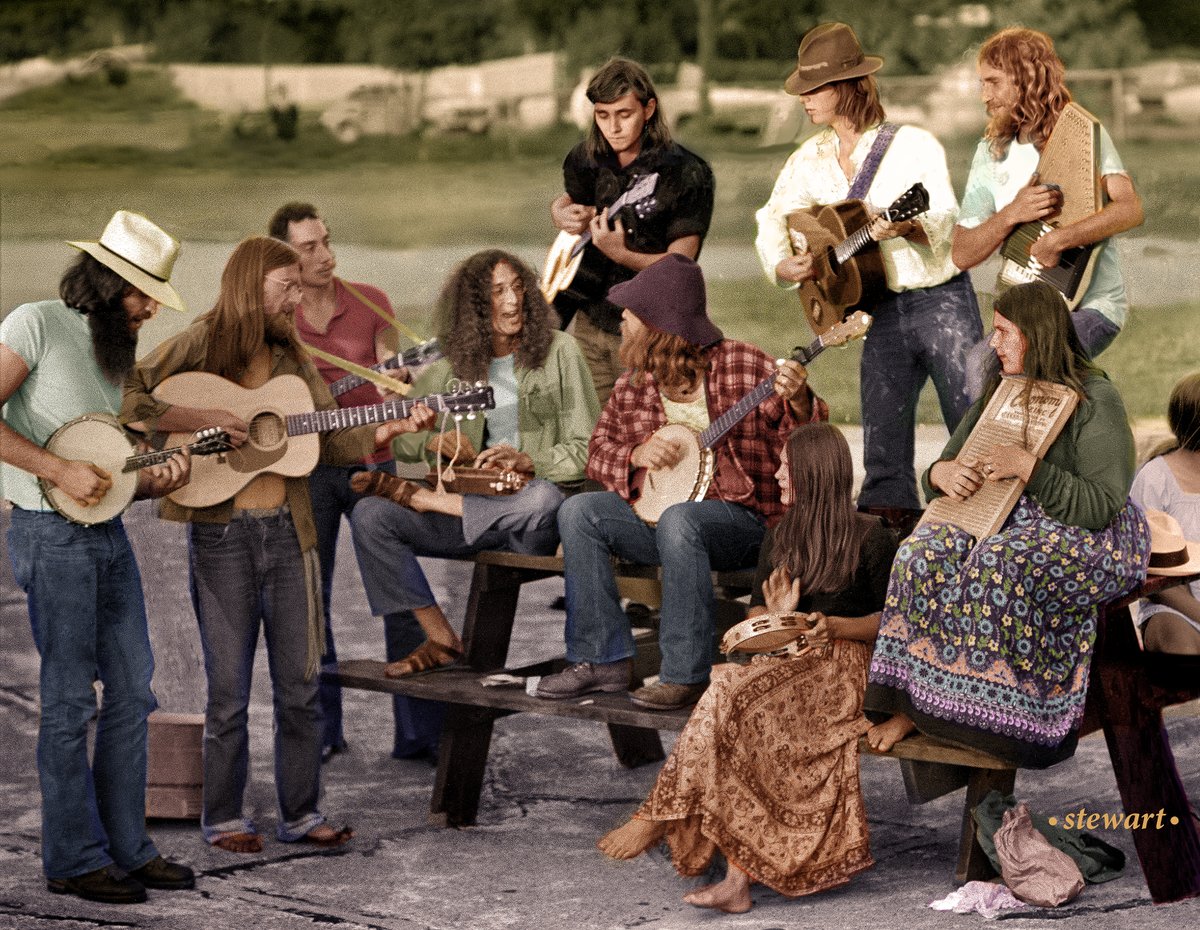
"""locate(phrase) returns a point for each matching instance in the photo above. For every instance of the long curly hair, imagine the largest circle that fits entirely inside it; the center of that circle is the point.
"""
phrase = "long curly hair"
(819, 537)
(237, 320)
(463, 316)
(1028, 57)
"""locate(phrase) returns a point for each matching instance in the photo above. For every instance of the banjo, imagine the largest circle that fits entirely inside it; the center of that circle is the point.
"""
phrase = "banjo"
(99, 438)
(689, 479)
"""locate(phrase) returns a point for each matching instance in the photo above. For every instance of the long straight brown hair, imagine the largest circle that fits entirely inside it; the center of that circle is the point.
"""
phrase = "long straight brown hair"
(819, 537)
(236, 320)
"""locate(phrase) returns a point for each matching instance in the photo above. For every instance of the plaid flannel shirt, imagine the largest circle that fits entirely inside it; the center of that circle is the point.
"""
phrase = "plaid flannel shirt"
(747, 456)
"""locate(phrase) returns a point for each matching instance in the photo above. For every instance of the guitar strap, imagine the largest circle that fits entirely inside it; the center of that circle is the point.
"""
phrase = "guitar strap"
(866, 173)
(381, 313)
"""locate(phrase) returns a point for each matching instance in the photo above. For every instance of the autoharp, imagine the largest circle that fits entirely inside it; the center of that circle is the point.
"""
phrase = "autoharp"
(1071, 163)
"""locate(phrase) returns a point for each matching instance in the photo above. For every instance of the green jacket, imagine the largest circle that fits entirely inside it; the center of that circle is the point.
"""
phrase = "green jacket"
(557, 413)
(1085, 476)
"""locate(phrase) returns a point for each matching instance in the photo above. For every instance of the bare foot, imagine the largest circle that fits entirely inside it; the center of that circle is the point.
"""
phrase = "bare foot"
(883, 736)
(327, 837)
(426, 657)
(731, 895)
(238, 842)
(631, 839)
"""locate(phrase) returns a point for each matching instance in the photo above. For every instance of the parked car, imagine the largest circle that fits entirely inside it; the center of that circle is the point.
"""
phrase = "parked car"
(373, 110)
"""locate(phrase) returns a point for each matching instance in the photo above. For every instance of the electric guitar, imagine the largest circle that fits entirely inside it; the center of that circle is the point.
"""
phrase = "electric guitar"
(688, 479)
(283, 427)
(573, 272)
(99, 438)
(850, 272)
(421, 354)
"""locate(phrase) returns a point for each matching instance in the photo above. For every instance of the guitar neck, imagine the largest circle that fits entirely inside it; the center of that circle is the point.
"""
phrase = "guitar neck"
(322, 421)
(146, 459)
(730, 418)
(851, 245)
(426, 352)
(586, 236)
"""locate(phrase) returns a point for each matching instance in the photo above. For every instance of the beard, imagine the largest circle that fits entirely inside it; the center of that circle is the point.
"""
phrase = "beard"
(113, 343)
(1002, 124)
(279, 330)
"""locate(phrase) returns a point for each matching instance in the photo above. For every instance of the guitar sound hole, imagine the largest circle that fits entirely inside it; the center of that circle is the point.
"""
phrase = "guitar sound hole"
(267, 430)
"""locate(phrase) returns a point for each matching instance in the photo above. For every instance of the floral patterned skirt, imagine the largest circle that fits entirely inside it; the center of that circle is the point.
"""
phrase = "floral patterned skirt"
(766, 770)
(990, 645)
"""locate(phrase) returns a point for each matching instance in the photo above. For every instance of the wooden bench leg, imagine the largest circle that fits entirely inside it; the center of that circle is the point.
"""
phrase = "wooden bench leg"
(635, 746)
(1149, 783)
(973, 863)
(462, 761)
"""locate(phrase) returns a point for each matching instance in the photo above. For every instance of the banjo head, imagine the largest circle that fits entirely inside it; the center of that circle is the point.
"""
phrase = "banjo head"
(663, 487)
(99, 439)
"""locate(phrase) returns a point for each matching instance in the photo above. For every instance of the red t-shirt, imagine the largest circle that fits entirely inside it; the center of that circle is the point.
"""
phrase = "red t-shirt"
(351, 335)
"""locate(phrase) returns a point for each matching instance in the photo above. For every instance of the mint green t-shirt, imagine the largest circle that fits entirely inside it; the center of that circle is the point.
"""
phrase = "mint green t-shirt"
(64, 382)
(503, 425)
(993, 184)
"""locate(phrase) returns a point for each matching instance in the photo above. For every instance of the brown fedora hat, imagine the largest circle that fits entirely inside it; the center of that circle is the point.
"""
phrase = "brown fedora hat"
(829, 52)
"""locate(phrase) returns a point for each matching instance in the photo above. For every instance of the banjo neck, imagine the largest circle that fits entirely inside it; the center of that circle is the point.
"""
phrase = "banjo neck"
(730, 418)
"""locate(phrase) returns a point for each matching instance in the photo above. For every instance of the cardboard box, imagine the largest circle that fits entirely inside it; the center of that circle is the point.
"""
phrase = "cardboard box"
(175, 770)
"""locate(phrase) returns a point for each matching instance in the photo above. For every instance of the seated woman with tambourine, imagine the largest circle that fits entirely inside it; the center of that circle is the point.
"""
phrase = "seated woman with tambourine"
(800, 715)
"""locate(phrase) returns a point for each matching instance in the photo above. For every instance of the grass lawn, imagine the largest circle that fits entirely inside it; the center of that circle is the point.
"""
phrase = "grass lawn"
(72, 154)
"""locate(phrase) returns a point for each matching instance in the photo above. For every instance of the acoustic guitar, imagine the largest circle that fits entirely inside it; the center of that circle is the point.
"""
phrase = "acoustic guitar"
(849, 265)
(574, 273)
(283, 426)
(421, 354)
(689, 479)
(99, 438)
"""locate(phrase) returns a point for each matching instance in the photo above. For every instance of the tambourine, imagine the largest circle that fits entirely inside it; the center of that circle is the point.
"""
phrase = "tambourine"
(774, 634)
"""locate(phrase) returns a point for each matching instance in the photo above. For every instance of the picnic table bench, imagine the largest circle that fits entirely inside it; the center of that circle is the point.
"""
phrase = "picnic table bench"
(1127, 692)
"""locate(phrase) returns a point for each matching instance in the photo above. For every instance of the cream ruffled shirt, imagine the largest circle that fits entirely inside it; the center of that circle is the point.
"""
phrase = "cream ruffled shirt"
(812, 176)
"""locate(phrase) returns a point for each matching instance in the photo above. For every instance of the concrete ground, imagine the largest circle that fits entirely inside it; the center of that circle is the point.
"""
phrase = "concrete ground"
(553, 787)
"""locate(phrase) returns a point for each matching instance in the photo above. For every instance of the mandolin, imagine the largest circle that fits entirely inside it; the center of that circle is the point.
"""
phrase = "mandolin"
(283, 427)
(688, 479)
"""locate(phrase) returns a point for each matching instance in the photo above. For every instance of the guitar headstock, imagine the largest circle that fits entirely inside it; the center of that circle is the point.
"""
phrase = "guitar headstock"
(428, 351)
(210, 441)
(913, 202)
(468, 400)
(642, 188)
(852, 327)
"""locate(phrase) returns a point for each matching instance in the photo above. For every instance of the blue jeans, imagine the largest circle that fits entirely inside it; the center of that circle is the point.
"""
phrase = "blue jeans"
(690, 541)
(89, 622)
(387, 540)
(329, 488)
(245, 575)
(1096, 333)
(919, 334)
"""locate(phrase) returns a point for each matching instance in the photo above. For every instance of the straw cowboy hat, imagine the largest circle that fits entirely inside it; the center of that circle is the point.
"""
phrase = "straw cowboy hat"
(1170, 553)
(139, 252)
(829, 52)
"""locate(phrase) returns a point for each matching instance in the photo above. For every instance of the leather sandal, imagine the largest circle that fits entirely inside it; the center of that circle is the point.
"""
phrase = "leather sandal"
(427, 657)
(381, 484)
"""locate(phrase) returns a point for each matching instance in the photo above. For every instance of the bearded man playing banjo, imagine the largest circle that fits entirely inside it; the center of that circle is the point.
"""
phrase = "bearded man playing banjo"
(680, 370)
(62, 360)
